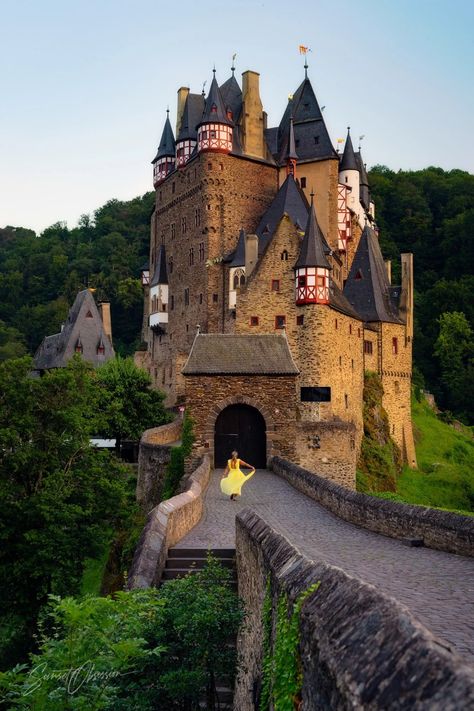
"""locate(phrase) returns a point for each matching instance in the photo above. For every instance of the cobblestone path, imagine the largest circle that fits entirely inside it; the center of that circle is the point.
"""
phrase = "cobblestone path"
(438, 588)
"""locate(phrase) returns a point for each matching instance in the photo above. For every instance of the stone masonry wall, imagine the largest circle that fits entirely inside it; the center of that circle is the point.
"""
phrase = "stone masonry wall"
(358, 648)
(442, 530)
(153, 458)
(273, 396)
(330, 448)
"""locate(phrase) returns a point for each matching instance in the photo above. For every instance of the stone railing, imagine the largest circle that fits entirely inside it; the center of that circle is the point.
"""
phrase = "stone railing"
(153, 459)
(359, 649)
(167, 523)
(442, 530)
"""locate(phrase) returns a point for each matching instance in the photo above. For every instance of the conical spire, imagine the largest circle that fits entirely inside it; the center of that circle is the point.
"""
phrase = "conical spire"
(291, 142)
(214, 110)
(348, 160)
(160, 275)
(167, 146)
(312, 249)
(364, 181)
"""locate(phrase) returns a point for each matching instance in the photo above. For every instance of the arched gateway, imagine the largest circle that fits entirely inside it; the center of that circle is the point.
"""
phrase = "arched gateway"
(243, 428)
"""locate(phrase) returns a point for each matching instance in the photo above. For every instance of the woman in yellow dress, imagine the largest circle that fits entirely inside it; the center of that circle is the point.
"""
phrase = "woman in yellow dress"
(233, 479)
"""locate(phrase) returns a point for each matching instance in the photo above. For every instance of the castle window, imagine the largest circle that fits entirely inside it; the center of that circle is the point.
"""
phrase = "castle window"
(221, 165)
(352, 363)
(89, 315)
(215, 298)
(197, 217)
(214, 109)
(280, 321)
(173, 230)
(275, 285)
(209, 166)
(201, 251)
(303, 182)
(302, 280)
(346, 179)
(186, 297)
(368, 347)
(172, 303)
(397, 386)
(358, 333)
(100, 349)
(254, 320)
(358, 275)
(335, 323)
(183, 225)
(191, 257)
(340, 361)
(350, 329)
(300, 320)
(315, 394)
(284, 255)
(346, 401)
(200, 298)
(394, 346)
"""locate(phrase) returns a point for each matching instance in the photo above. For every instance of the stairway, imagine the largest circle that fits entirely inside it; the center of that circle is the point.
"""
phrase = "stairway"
(182, 561)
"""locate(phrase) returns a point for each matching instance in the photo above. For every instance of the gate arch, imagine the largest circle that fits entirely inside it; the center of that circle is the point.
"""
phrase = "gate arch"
(240, 426)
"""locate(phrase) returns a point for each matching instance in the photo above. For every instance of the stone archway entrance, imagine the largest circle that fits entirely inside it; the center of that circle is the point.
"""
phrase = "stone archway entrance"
(241, 427)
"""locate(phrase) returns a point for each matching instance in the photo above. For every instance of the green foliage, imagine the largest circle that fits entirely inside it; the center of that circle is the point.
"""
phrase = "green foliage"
(128, 404)
(380, 460)
(430, 213)
(175, 469)
(455, 349)
(145, 649)
(281, 669)
(57, 494)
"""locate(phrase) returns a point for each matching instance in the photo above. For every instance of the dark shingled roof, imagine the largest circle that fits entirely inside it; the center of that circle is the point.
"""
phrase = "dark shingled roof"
(160, 275)
(167, 145)
(338, 301)
(311, 135)
(367, 287)
(83, 325)
(348, 160)
(290, 199)
(192, 113)
(228, 354)
(214, 109)
(364, 181)
(288, 148)
(312, 247)
(232, 97)
(238, 258)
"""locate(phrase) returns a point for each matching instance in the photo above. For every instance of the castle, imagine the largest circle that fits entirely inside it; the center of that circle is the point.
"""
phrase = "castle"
(267, 296)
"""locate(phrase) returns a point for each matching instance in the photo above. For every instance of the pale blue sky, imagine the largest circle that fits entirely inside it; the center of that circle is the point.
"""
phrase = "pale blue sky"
(85, 85)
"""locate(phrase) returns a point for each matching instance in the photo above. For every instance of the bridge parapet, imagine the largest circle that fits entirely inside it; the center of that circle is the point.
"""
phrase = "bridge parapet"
(359, 649)
(442, 530)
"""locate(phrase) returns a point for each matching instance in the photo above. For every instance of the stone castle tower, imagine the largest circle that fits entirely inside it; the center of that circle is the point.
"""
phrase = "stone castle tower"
(267, 295)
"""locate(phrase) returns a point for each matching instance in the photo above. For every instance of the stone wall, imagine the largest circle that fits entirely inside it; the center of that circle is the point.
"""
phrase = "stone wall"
(359, 649)
(330, 448)
(442, 530)
(167, 524)
(153, 458)
(273, 396)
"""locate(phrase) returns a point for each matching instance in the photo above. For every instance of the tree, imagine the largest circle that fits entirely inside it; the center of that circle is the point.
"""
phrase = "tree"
(58, 495)
(128, 404)
(455, 350)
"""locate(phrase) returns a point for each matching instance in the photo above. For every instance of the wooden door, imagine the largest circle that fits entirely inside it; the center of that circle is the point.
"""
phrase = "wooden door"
(240, 427)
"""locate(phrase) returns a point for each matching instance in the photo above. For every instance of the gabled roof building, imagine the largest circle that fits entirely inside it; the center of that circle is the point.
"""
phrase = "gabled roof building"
(264, 240)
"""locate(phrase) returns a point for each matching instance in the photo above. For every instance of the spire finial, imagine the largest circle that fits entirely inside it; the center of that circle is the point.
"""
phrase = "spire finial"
(305, 67)
(312, 195)
(348, 129)
(214, 70)
(167, 111)
(232, 69)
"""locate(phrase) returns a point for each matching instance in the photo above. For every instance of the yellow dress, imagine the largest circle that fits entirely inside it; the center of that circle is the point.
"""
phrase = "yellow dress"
(235, 479)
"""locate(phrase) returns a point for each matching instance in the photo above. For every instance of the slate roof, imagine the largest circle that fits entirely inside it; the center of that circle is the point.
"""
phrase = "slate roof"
(238, 258)
(80, 327)
(192, 113)
(229, 354)
(232, 97)
(338, 301)
(364, 181)
(167, 145)
(214, 108)
(348, 160)
(160, 275)
(290, 199)
(312, 247)
(312, 139)
(367, 287)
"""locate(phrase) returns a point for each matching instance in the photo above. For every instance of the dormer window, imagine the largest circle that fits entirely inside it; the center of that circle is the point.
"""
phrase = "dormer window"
(89, 315)
(214, 109)
(358, 275)
(100, 349)
(78, 347)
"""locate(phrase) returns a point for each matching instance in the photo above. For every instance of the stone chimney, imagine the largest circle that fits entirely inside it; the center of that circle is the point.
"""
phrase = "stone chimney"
(251, 254)
(252, 116)
(104, 310)
(406, 297)
(182, 96)
(388, 267)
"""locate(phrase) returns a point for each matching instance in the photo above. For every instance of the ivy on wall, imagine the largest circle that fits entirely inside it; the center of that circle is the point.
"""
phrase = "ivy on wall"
(282, 677)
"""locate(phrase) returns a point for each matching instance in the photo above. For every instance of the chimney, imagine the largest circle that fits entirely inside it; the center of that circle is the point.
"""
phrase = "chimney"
(252, 116)
(182, 96)
(388, 266)
(251, 254)
(104, 310)
(406, 297)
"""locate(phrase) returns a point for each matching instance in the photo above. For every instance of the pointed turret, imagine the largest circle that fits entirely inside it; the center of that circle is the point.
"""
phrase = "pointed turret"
(367, 287)
(159, 292)
(348, 160)
(215, 127)
(350, 177)
(164, 161)
(364, 182)
(312, 267)
(186, 139)
(291, 156)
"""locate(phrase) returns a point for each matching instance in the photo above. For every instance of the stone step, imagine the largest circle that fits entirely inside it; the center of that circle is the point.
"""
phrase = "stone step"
(198, 563)
(201, 553)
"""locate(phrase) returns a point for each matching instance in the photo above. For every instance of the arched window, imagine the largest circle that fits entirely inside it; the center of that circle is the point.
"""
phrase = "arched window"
(284, 255)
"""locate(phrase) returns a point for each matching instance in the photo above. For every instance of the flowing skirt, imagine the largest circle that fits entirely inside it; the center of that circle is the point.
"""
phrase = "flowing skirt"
(234, 481)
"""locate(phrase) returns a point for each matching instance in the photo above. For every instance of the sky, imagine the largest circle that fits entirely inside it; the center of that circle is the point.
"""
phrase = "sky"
(85, 85)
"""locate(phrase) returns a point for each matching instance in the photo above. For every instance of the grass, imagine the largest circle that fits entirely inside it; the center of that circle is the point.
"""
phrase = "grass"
(445, 475)
(94, 570)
